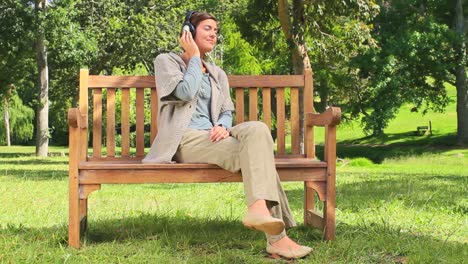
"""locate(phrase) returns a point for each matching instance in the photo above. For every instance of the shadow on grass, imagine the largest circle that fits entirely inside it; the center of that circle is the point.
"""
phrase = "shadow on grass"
(35, 175)
(420, 191)
(406, 138)
(31, 154)
(16, 155)
(183, 236)
(378, 150)
(37, 162)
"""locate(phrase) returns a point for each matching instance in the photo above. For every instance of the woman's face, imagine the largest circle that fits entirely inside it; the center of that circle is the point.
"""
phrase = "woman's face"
(206, 35)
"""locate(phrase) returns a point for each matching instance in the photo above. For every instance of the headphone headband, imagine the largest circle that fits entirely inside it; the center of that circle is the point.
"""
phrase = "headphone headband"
(188, 16)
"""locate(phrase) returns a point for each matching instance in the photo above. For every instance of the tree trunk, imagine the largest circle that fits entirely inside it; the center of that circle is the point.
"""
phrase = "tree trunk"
(42, 112)
(460, 72)
(294, 33)
(7, 122)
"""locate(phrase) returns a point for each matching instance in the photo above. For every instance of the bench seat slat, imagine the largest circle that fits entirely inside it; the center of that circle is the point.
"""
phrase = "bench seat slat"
(137, 165)
(189, 175)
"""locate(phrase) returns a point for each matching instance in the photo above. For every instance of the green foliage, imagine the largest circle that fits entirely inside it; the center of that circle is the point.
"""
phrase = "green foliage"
(361, 162)
(412, 46)
(16, 49)
(369, 57)
(238, 57)
(21, 120)
(259, 26)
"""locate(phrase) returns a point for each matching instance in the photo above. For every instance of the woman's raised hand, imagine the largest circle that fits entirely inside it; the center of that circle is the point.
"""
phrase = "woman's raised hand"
(217, 133)
(189, 45)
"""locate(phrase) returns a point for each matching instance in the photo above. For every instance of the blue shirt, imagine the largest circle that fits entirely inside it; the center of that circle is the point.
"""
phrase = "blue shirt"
(196, 82)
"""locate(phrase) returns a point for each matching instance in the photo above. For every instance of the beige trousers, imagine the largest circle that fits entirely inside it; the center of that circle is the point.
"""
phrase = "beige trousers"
(249, 149)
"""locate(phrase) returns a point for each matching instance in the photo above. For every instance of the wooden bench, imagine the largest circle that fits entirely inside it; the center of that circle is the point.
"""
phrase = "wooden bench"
(88, 171)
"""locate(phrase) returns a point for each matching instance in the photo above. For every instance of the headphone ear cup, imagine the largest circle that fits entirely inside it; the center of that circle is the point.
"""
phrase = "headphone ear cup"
(188, 24)
(192, 29)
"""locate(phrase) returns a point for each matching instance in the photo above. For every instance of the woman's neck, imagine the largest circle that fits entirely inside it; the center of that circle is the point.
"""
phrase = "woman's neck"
(185, 57)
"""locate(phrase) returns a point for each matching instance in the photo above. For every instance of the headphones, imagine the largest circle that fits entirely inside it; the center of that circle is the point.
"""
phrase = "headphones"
(187, 23)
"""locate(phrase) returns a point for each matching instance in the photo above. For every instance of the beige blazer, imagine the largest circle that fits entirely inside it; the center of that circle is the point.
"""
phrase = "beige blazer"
(175, 115)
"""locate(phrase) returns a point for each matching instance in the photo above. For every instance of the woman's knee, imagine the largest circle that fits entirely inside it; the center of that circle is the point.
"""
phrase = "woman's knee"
(257, 127)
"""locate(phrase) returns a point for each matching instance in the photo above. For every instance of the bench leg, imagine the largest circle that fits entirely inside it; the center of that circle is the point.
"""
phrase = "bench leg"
(85, 190)
(83, 215)
(74, 218)
(311, 216)
(309, 200)
(329, 214)
(329, 208)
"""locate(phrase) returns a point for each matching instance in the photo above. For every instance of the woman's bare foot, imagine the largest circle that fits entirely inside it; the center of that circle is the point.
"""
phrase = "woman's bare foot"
(259, 208)
(286, 243)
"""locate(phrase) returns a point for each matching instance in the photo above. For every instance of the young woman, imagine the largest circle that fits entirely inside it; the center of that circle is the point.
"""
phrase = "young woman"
(194, 126)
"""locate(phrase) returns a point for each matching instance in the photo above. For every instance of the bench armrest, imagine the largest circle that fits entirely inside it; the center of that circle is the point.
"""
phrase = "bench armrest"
(331, 117)
(76, 119)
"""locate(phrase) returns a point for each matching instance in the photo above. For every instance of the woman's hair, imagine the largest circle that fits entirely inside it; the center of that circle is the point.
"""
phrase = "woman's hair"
(198, 17)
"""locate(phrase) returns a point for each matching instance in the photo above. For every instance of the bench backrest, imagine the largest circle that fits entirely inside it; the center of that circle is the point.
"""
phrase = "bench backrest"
(250, 92)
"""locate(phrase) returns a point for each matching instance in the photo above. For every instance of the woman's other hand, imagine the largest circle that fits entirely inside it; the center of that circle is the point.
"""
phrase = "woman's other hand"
(217, 133)
(188, 44)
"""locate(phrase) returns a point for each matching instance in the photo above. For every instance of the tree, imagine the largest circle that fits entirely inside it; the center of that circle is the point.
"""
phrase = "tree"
(18, 119)
(415, 57)
(323, 35)
(460, 74)
(15, 63)
(42, 112)
(6, 116)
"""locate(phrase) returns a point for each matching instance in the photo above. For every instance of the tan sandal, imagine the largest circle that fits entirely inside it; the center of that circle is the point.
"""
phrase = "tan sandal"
(267, 224)
(288, 253)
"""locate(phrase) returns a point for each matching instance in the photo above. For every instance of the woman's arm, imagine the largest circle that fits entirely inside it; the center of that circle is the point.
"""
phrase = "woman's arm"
(225, 120)
(190, 84)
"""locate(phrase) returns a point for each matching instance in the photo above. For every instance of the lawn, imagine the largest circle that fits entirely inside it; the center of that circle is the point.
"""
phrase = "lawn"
(402, 210)
(401, 198)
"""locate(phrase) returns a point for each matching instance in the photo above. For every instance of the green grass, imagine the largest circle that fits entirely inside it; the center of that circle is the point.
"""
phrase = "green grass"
(401, 198)
(410, 209)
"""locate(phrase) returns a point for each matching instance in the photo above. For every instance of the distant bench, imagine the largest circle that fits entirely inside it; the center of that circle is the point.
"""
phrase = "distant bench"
(88, 171)
(422, 130)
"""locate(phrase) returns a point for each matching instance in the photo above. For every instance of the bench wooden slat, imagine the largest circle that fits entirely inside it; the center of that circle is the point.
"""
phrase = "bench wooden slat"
(98, 81)
(280, 121)
(110, 114)
(266, 80)
(97, 123)
(83, 107)
(239, 105)
(138, 159)
(309, 140)
(295, 123)
(125, 122)
(190, 175)
(266, 106)
(140, 122)
(137, 165)
(154, 114)
(253, 104)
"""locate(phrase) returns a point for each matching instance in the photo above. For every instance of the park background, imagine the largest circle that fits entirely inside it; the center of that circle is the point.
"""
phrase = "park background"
(390, 65)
